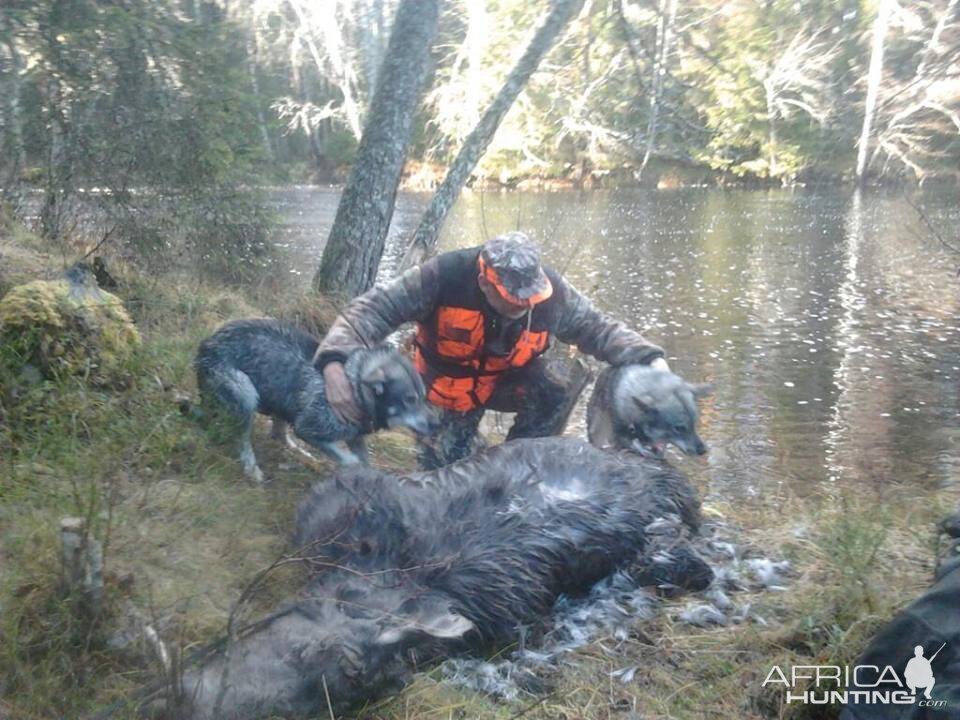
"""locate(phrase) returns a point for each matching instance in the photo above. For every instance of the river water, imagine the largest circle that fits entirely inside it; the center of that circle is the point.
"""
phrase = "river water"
(828, 321)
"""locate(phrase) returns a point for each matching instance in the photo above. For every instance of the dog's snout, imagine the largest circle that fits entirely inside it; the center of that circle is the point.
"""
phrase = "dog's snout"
(426, 422)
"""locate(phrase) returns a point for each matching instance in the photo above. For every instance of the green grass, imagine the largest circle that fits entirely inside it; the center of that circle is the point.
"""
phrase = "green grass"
(184, 532)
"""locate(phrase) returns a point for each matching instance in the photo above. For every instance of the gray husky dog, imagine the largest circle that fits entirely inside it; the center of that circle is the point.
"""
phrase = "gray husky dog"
(640, 408)
(265, 365)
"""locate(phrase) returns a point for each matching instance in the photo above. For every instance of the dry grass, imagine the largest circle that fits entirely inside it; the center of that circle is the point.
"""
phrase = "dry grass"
(858, 563)
(184, 532)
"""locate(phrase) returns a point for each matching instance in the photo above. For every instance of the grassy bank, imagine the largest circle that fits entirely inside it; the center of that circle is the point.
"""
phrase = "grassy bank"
(184, 533)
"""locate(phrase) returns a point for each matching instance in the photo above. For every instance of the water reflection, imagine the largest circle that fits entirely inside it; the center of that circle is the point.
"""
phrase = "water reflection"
(827, 322)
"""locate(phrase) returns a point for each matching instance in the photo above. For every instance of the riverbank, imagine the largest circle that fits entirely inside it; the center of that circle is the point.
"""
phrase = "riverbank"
(421, 176)
(184, 534)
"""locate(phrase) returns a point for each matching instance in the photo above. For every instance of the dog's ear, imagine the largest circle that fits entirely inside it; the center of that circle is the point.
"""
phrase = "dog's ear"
(424, 617)
(644, 402)
(700, 390)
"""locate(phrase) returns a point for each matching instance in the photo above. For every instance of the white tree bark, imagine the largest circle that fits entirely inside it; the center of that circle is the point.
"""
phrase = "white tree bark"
(874, 77)
(333, 42)
(668, 17)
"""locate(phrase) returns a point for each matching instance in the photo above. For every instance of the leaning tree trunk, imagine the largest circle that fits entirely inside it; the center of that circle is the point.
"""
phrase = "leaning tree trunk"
(425, 238)
(874, 75)
(353, 250)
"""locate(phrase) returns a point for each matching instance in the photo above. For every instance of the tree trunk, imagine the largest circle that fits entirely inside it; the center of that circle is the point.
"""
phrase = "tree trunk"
(425, 239)
(355, 245)
(13, 142)
(668, 17)
(874, 76)
(770, 93)
(58, 171)
(252, 56)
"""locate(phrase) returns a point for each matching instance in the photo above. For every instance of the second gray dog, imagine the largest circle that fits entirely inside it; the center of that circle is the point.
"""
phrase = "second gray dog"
(264, 365)
(640, 408)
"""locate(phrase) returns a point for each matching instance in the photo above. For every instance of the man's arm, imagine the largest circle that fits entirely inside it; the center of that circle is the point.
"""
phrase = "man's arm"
(370, 317)
(366, 321)
(598, 334)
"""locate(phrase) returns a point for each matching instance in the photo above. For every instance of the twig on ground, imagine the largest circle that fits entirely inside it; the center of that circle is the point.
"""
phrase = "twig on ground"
(532, 706)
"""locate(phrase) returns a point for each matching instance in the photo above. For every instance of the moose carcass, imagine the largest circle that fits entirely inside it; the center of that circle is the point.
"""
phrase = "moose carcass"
(428, 564)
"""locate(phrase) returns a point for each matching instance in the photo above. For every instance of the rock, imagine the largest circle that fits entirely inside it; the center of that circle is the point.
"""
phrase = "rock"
(67, 327)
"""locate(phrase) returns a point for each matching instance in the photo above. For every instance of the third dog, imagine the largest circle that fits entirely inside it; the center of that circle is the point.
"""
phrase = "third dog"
(639, 408)
(264, 365)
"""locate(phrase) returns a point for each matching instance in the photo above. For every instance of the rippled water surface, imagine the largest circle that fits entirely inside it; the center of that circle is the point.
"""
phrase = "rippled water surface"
(827, 321)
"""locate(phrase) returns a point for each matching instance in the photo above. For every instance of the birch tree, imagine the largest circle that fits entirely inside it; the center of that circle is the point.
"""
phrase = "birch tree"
(874, 77)
(425, 238)
(797, 81)
(667, 18)
(355, 244)
(920, 112)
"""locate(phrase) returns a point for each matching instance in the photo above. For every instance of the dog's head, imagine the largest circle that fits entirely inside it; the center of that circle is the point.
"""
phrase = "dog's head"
(654, 408)
(393, 392)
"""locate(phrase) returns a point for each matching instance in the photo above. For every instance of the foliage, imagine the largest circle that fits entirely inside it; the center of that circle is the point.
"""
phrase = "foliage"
(137, 118)
(183, 96)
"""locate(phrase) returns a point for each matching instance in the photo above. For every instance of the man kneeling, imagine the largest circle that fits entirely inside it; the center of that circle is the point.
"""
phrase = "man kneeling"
(484, 316)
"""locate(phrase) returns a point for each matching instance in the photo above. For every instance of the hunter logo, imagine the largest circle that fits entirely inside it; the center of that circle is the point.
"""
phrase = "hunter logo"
(861, 684)
(919, 673)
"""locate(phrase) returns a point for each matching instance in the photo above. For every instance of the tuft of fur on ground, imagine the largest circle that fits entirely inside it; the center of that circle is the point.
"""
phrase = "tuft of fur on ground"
(184, 535)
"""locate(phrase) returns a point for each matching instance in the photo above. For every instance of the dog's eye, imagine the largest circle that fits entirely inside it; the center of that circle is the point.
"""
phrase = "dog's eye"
(410, 399)
(680, 428)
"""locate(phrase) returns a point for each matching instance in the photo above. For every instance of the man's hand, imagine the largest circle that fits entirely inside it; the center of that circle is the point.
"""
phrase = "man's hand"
(340, 394)
(660, 364)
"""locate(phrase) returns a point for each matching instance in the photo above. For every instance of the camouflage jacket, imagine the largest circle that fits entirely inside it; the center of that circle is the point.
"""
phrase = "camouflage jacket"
(420, 291)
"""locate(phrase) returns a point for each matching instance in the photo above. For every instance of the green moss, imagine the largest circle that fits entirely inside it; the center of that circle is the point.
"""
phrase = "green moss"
(65, 329)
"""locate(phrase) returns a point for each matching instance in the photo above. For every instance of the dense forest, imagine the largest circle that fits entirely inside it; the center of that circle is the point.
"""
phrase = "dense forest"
(171, 93)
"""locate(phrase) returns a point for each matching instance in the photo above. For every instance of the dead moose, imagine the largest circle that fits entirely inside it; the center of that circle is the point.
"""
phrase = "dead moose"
(425, 565)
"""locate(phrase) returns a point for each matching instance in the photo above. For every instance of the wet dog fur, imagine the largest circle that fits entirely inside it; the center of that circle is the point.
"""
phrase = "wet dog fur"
(265, 365)
(404, 567)
(643, 409)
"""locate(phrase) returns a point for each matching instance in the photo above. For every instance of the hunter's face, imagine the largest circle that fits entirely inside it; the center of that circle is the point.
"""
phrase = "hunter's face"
(498, 303)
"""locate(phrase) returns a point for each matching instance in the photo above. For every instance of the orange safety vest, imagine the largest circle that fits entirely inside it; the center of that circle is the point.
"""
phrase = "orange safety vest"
(449, 348)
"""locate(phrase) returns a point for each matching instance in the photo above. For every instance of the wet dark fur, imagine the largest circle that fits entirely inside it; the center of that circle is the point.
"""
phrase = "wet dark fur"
(273, 355)
(449, 560)
(265, 365)
(642, 409)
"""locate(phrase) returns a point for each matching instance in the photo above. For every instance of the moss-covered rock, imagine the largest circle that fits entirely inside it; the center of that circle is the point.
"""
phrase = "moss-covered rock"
(67, 326)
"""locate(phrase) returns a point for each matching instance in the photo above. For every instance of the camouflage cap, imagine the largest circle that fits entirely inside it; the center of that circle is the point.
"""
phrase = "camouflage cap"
(511, 262)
